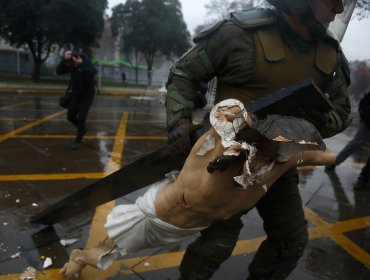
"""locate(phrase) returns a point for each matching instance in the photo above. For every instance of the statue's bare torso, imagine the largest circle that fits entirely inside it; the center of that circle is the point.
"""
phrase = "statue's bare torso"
(198, 197)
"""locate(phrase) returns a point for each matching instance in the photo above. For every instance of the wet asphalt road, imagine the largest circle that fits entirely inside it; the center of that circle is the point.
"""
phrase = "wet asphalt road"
(38, 168)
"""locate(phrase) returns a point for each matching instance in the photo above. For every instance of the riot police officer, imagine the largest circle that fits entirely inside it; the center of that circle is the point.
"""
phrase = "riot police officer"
(252, 53)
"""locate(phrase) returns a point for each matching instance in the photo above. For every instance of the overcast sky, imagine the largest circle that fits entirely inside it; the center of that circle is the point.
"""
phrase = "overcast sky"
(356, 42)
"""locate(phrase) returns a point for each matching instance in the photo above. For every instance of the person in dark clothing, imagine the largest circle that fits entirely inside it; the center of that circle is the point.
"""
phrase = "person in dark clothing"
(123, 76)
(361, 137)
(83, 73)
(363, 177)
(252, 53)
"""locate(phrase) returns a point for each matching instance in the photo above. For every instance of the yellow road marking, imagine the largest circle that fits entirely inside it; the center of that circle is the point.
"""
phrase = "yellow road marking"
(146, 137)
(28, 126)
(32, 90)
(45, 177)
(322, 229)
(116, 155)
(110, 121)
(172, 259)
(97, 232)
(88, 137)
(26, 136)
(14, 105)
(56, 176)
(335, 232)
(355, 166)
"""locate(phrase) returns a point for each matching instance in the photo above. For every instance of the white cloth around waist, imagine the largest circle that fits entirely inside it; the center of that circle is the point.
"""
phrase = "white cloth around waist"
(134, 227)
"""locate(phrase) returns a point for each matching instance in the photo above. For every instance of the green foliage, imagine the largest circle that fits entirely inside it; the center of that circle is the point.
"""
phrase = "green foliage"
(151, 27)
(78, 22)
(41, 24)
(362, 9)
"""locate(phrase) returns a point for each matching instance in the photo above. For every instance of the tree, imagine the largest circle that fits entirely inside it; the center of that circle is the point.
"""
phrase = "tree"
(151, 27)
(42, 24)
(121, 21)
(360, 78)
(362, 9)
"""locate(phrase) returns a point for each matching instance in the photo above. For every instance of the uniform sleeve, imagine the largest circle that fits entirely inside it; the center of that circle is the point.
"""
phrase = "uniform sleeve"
(184, 78)
(339, 118)
(228, 54)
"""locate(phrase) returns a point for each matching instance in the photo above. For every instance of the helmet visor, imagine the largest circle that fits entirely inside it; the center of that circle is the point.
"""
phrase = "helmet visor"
(339, 26)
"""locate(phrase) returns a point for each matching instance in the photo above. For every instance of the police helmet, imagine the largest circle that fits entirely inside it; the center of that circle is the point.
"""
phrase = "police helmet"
(303, 8)
(292, 7)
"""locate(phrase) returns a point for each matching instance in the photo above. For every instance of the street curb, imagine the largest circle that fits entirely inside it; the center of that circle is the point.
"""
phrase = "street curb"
(62, 90)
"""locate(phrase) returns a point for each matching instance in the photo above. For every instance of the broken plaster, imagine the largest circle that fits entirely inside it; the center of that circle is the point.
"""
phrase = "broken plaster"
(227, 118)
(207, 146)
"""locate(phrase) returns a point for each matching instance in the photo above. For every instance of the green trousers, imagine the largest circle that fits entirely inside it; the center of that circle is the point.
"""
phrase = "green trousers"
(285, 226)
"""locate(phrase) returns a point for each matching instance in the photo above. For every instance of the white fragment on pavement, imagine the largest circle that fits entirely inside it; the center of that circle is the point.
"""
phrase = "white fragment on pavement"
(35, 204)
(5, 223)
(67, 242)
(48, 262)
(28, 274)
(17, 201)
(16, 255)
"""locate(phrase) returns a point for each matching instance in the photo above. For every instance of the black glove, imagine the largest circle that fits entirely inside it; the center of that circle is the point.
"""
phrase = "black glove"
(181, 130)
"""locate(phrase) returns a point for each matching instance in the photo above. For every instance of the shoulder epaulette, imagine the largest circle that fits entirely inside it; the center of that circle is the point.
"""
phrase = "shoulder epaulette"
(250, 18)
(207, 30)
(254, 17)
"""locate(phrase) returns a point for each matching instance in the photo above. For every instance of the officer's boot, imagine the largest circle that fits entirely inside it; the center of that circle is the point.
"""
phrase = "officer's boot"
(363, 178)
(360, 185)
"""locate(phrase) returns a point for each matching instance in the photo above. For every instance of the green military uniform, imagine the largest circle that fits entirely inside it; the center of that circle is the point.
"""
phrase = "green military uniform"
(252, 54)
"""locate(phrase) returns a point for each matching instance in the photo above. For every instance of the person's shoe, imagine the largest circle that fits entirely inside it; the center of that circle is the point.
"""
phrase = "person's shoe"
(330, 168)
(360, 185)
(81, 134)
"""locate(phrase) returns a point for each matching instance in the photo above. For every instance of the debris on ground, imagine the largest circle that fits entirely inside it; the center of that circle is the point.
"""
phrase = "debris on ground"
(67, 242)
(48, 262)
(28, 274)
(16, 255)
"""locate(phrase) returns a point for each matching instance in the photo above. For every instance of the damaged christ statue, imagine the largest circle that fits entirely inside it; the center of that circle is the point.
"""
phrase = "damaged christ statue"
(228, 170)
